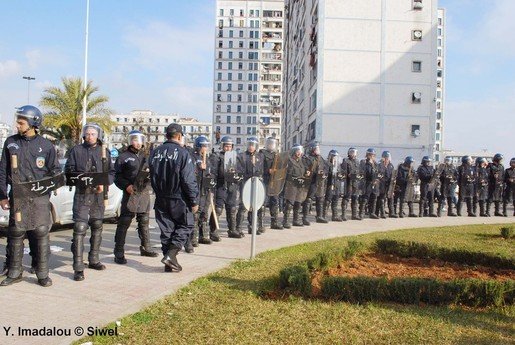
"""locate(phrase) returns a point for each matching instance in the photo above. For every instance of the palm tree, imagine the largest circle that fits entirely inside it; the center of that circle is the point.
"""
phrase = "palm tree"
(63, 120)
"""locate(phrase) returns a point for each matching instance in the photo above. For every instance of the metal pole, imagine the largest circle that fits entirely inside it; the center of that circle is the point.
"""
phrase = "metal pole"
(84, 106)
(253, 198)
(28, 78)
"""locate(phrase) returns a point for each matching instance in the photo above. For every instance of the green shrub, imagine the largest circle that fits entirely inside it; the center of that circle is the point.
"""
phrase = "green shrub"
(470, 292)
(507, 232)
(331, 258)
(428, 251)
(297, 279)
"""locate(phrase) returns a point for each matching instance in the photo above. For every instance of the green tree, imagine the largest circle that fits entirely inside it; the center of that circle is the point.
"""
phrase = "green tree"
(64, 105)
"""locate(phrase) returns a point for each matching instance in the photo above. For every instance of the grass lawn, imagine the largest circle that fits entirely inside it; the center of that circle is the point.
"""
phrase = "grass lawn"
(227, 308)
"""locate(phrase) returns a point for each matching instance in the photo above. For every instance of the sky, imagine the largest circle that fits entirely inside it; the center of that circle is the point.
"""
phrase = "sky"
(158, 55)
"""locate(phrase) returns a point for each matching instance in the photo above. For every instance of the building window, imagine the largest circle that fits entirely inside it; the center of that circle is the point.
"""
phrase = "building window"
(240, 44)
(313, 102)
(229, 76)
(241, 33)
(229, 87)
(219, 87)
(230, 55)
(221, 23)
(416, 66)
(221, 12)
(228, 118)
(415, 130)
(220, 33)
(229, 65)
(231, 33)
(416, 97)
(438, 126)
(231, 12)
(230, 44)
(220, 44)
(228, 130)
(220, 65)
(238, 141)
(238, 119)
(229, 111)
(238, 130)
(438, 115)
(229, 98)
(219, 77)
(220, 55)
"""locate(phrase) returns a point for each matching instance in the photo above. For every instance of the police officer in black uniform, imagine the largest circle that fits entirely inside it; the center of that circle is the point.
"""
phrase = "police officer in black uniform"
(269, 153)
(425, 174)
(385, 171)
(250, 164)
(496, 184)
(294, 192)
(466, 183)
(509, 191)
(316, 188)
(405, 186)
(227, 190)
(27, 156)
(88, 201)
(370, 184)
(132, 178)
(350, 167)
(448, 182)
(333, 189)
(172, 175)
(481, 188)
(206, 180)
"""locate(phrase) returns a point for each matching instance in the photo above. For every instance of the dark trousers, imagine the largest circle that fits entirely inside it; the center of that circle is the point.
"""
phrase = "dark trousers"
(175, 220)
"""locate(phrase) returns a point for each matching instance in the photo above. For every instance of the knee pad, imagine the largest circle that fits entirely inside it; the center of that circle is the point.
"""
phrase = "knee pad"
(96, 224)
(80, 228)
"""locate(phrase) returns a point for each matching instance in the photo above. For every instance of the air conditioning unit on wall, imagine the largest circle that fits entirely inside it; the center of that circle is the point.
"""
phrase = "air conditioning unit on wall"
(417, 5)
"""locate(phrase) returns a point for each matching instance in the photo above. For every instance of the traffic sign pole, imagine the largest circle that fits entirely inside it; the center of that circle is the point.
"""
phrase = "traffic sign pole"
(253, 197)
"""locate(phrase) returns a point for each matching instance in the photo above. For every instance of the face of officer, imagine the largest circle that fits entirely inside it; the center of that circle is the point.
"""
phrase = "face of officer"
(136, 143)
(298, 154)
(512, 164)
(251, 147)
(91, 136)
(203, 150)
(22, 125)
(227, 147)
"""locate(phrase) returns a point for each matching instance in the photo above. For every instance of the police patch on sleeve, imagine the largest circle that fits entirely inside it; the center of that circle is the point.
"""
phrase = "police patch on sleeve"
(40, 162)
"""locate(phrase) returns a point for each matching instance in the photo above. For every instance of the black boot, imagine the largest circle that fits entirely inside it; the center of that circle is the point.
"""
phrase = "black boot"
(201, 229)
(354, 209)
(274, 215)
(482, 212)
(296, 214)
(361, 209)
(334, 212)
(170, 259)
(488, 206)
(401, 208)
(432, 209)
(497, 205)
(372, 208)
(474, 205)
(306, 207)
(391, 209)
(119, 239)
(439, 209)
(320, 218)
(450, 211)
(214, 235)
(421, 206)
(79, 231)
(458, 207)
(505, 209)
(344, 209)
(470, 213)
(286, 215)
(188, 246)
(410, 208)
(95, 241)
(15, 250)
(42, 254)
(231, 222)
(195, 234)
(239, 219)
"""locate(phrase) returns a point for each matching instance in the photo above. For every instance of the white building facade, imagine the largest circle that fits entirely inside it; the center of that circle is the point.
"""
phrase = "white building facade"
(154, 126)
(361, 74)
(247, 96)
(438, 154)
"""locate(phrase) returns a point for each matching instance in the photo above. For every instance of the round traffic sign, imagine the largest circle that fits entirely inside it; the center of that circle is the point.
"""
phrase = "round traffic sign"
(246, 195)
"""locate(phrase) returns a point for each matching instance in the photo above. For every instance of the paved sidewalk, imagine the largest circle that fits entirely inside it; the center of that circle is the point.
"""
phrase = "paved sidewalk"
(106, 296)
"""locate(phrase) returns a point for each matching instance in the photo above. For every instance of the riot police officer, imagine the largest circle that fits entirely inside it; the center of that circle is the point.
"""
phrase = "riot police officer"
(206, 180)
(316, 187)
(250, 164)
(496, 184)
(334, 186)
(172, 176)
(269, 155)
(425, 173)
(294, 190)
(88, 201)
(350, 169)
(28, 160)
(448, 181)
(385, 172)
(369, 184)
(509, 192)
(132, 177)
(466, 183)
(405, 186)
(227, 186)
(481, 187)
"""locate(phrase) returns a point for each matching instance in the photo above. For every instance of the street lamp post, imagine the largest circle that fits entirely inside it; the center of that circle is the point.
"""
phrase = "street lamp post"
(84, 106)
(28, 87)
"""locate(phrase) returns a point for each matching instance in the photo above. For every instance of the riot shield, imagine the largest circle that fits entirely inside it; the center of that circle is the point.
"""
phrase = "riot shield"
(410, 186)
(321, 179)
(278, 175)
(391, 186)
(360, 177)
(38, 188)
(435, 179)
(139, 200)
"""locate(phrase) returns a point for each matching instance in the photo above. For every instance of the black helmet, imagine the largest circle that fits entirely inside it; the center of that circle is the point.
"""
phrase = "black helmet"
(271, 144)
(314, 148)
(253, 141)
(31, 114)
(333, 153)
(136, 134)
(352, 152)
(371, 151)
(426, 160)
(498, 158)
(386, 154)
(96, 127)
(201, 141)
(466, 160)
(480, 160)
(408, 160)
(227, 140)
(295, 148)
(448, 160)
(512, 160)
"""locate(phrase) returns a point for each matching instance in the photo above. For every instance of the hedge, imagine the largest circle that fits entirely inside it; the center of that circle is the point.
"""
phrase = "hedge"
(428, 251)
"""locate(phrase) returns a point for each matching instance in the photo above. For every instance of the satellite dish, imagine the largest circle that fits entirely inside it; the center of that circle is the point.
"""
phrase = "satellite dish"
(417, 34)
(416, 132)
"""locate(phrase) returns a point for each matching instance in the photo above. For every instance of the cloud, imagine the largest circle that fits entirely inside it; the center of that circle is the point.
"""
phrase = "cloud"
(9, 68)
(190, 101)
(159, 43)
(498, 28)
